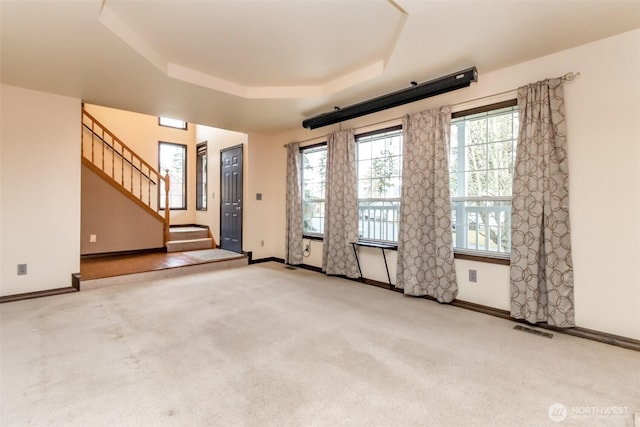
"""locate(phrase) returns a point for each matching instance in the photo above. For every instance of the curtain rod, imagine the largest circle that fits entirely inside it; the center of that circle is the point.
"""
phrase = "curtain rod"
(566, 77)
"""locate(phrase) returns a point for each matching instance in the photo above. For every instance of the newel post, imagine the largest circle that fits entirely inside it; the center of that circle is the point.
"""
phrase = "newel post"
(167, 213)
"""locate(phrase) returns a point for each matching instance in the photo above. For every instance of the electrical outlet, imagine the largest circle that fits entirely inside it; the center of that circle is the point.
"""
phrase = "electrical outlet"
(261, 242)
(473, 276)
(307, 247)
(93, 238)
(22, 269)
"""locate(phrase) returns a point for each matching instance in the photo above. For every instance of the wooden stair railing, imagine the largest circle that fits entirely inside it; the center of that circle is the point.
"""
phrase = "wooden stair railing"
(106, 154)
(167, 187)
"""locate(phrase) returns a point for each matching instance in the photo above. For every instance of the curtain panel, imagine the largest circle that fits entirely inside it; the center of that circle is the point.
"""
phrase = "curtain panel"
(294, 250)
(541, 270)
(425, 247)
(341, 206)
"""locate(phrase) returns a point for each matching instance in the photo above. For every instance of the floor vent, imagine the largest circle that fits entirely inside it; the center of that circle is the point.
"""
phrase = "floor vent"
(288, 267)
(533, 331)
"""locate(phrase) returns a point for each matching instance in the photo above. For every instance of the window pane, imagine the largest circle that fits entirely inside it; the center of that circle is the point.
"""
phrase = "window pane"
(364, 150)
(313, 217)
(172, 123)
(500, 127)
(476, 156)
(364, 169)
(364, 188)
(484, 146)
(395, 187)
(500, 155)
(313, 189)
(172, 158)
(379, 220)
(476, 132)
(395, 145)
(476, 183)
(201, 177)
(379, 184)
(500, 181)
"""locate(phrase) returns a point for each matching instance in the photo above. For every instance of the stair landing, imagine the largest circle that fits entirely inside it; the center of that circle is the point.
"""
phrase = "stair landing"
(117, 270)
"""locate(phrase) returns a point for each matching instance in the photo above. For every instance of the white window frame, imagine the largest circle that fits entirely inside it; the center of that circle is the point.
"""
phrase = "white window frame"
(202, 174)
(172, 123)
(309, 201)
(176, 181)
(379, 217)
(464, 207)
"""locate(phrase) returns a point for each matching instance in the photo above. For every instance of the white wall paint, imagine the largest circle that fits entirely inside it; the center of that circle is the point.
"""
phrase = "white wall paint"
(40, 172)
(603, 118)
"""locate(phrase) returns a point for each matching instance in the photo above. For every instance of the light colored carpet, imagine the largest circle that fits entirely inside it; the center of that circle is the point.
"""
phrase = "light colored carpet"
(266, 346)
(212, 254)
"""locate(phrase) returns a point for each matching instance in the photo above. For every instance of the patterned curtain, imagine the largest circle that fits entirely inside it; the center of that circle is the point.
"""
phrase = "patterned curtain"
(294, 251)
(341, 206)
(425, 247)
(541, 267)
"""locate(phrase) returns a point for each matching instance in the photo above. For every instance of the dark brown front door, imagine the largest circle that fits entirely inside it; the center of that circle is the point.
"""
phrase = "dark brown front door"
(231, 199)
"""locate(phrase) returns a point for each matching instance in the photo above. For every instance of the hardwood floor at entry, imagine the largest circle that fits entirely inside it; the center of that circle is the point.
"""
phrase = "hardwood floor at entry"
(117, 265)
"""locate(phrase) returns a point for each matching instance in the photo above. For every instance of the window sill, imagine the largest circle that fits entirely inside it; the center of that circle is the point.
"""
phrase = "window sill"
(375, 244)
(479, 258)
(310, 237)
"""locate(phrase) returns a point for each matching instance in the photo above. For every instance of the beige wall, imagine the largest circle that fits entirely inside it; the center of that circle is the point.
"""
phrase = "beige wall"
(39, 190)
(603, 110)
(142, 133)
(118, 223)
(217, 139)
(264, 219)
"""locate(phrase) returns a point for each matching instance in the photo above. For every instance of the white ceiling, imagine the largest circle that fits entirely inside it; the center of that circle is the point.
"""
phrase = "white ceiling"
(266, 65)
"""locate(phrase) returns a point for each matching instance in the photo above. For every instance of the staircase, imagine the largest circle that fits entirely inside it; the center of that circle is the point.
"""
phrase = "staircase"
(190, 238)
(111, 159)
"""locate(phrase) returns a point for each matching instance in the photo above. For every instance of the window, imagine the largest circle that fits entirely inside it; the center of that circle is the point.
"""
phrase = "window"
(201, 176)
(482, 154)
(313, 173)
(172, 123)
(379, 172)
(173, 157)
